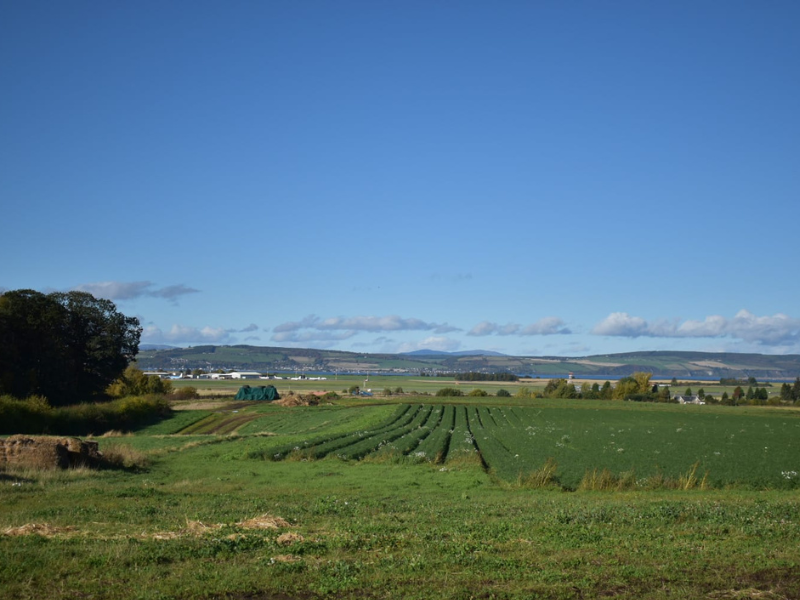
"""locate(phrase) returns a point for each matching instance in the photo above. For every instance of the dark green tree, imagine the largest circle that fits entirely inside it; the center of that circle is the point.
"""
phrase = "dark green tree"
(67, 347)
(738, 393)
(786, 393)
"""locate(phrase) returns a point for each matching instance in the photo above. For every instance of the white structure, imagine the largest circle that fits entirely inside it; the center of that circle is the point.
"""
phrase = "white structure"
(689, 399)
(244, 375)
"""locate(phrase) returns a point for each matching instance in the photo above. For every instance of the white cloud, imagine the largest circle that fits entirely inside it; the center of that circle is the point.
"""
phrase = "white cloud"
(182, 334)
(779, 329)
(621, 324)
(128, 290)
(545, 326)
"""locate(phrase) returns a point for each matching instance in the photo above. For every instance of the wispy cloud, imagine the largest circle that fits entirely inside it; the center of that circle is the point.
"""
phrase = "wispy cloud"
(128, 290)
(297, 337)
(545, 326)
(312, 327)
(249, 328)
(182, 334)
(775, 330)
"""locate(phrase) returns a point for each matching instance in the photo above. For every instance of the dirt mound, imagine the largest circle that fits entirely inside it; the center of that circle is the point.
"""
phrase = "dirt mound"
(48, 453)
(304, 400)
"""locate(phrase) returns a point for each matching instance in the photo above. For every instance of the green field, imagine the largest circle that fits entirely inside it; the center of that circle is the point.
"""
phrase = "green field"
(418, 499)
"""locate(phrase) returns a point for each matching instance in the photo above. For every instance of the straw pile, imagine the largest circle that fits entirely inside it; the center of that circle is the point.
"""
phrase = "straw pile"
(22, 451)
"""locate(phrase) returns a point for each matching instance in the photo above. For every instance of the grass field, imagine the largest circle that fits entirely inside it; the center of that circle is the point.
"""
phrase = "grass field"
(211, 513)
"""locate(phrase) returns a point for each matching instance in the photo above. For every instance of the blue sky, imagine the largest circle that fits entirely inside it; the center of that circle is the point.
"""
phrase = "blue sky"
(540, 178)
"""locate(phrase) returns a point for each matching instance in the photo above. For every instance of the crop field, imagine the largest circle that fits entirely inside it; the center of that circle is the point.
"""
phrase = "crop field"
(419, 500)
(720, 448)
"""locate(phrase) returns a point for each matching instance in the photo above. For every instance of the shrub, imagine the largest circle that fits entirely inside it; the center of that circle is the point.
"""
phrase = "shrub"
(135, 383)
(398, 390)
(524, 392)
(447, 392)
(387, 392)
(503, 394)
(184, 393)
(330, 396)
(478, 393)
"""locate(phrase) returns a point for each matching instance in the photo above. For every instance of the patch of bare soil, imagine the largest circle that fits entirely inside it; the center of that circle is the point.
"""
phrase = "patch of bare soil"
(201, 405)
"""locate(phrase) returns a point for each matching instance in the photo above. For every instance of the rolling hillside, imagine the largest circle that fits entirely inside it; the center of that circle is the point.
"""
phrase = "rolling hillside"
(661, 364)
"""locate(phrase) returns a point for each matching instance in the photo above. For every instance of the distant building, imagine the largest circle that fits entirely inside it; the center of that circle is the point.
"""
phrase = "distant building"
(695, 399)
(244, 375)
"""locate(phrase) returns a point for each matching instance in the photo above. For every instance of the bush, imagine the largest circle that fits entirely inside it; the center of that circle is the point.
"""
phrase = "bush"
(387, 392)
(398, 390)
(448, 392)
(135, 383)
(184, 393)
(330, 396)
(478, 393)
(503, 394)
(524, 392)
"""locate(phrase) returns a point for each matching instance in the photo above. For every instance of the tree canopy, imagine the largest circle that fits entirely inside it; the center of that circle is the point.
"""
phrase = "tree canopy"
(67, 347)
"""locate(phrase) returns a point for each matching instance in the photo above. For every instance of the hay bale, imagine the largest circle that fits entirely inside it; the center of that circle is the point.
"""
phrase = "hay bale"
(21, 451)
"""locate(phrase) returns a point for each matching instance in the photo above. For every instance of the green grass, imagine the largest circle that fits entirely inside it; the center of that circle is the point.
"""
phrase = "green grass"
(394, 529)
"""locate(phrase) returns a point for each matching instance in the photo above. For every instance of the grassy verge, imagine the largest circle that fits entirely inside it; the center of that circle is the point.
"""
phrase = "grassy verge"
(35, 416)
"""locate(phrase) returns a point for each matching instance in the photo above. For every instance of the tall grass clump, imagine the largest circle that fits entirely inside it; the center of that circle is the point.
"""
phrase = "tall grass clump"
(35, 416)
(606, 481)
(543, 477)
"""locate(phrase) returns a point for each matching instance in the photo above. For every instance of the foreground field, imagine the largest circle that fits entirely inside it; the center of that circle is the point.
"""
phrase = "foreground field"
(209, 518)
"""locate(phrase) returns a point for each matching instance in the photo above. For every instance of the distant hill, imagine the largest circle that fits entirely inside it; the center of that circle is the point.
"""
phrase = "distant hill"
(443, 353)
(663, 364)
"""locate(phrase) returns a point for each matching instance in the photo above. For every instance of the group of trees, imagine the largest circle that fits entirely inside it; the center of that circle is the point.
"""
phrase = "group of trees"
(66, 346)
(791, 393)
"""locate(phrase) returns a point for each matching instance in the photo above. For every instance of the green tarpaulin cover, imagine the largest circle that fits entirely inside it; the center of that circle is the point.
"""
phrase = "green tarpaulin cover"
(262, 392)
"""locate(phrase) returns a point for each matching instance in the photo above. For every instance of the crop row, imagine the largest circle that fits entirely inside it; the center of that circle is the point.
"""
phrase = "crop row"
(403, 415)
